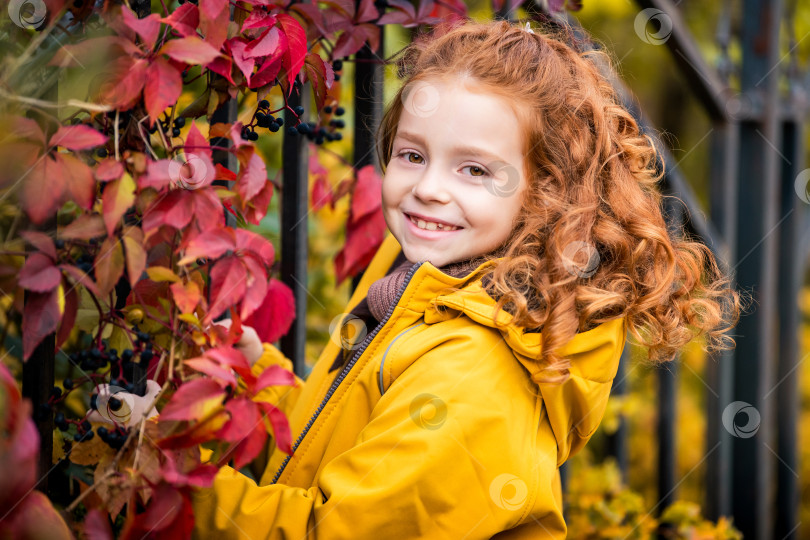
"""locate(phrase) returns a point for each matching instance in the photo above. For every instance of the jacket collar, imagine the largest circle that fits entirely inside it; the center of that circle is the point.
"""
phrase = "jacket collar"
(575, 407)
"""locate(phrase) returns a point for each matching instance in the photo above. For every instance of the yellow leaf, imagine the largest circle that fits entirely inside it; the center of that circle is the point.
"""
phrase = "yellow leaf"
(161, 273)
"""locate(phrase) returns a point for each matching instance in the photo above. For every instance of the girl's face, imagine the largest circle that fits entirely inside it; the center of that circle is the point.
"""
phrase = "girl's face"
(457, 159)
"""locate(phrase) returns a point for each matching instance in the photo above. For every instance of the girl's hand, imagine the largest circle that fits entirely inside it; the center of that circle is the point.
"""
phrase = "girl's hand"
(249, 343)
(114, 405)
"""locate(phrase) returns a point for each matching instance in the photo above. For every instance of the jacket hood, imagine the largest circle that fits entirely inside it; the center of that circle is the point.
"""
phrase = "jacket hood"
(574, 408)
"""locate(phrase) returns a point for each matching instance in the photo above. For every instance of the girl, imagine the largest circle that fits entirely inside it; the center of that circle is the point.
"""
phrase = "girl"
(526, 240)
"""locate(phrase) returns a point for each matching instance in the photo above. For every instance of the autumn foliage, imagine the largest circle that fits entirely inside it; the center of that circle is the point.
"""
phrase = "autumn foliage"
(120, 247)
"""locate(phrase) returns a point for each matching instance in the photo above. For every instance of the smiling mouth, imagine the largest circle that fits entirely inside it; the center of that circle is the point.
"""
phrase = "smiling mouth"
(431, 225)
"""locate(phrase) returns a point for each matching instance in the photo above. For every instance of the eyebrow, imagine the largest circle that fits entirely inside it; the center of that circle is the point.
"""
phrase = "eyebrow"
(463, 149)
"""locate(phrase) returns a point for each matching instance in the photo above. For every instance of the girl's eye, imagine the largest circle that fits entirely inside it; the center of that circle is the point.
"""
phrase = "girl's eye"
(408, 156)
(475, 170)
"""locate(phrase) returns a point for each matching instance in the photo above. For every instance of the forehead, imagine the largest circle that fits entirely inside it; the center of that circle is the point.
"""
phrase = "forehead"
(456, 113)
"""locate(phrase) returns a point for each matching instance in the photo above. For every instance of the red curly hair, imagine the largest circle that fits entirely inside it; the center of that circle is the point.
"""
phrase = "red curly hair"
(591, 193)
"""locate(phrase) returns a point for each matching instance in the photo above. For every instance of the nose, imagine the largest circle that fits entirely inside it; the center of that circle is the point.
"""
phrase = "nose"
(431, 185)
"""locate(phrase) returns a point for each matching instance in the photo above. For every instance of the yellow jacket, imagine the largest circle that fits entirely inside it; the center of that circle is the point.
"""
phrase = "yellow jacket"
(435, 429)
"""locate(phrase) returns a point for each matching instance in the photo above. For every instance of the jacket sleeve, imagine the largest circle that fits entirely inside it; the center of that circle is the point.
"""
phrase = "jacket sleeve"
(432, 462)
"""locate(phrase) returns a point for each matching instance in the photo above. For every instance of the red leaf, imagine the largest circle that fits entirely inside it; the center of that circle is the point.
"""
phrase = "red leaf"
(175, 210)
(212, 28)
(222, 65)
(228, 356)
(68, 317)
(80, 186)
(321, 194)
(363, 237)
(34, 518)
(135, 255)
(41, 241)
(200, 476)
(281, 426)
(256, 287)
(296, 48)
(210, 244)
(26, 128)
(351, 41)
(244, 419)
(186, 296)
(191, 50)
(170, 515)
(204, 365)
(42, 190)
(274, 376)
(85, 227)
(118, 197)
(148, 27)
(40, 318)
(213, 8)
(367, 12)
(97, 526)
(163, 86)
(268, 71)
(224, 173)
(320, 74)
(184, 19)
(258, 205)
(157, 174)
(252, 177)
(312, 14)
(257, 244)
(238, 47)
(258, 19)
(108, 169)
(109, 265)
(276, 313)
(78, 137)
(367, 195)
(80, 277)
(208, 209)
(196, 143)
(265, 45)
(238, 141)
(192, 400)
(228, 281)
(39, 274)
(126, 83)
(248, 448)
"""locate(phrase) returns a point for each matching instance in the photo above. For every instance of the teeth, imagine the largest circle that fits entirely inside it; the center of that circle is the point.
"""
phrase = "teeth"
(431, 226)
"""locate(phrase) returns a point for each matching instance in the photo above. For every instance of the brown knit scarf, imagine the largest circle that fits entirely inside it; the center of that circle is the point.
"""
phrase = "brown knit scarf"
(384, 291)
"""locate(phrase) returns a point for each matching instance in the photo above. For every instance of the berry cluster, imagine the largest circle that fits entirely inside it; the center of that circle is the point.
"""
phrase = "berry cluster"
(319, 134)
(164, 124)
(127, 371)
(264, 119)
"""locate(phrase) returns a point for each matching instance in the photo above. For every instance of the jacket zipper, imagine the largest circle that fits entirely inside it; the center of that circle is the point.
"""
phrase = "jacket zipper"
(365, 343)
